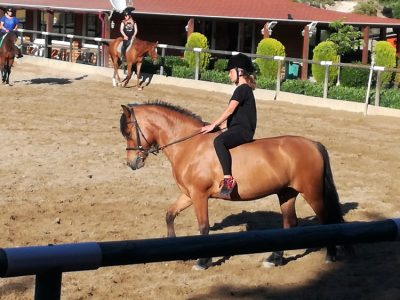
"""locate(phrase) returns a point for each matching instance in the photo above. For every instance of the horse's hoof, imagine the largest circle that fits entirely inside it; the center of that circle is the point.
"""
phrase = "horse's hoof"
(202, 264)
(274, 260)
(330, 259)
(140, 89)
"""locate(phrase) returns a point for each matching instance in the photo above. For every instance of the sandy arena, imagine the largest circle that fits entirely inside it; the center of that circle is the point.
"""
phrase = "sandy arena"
(64, 180)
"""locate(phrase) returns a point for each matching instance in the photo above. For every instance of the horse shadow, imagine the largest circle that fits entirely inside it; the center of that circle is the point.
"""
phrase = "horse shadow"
(263, 220)
(53, 80)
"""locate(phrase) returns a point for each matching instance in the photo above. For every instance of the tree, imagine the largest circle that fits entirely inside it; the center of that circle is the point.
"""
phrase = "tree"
(369, 8)
(393, 5)
(346, 37)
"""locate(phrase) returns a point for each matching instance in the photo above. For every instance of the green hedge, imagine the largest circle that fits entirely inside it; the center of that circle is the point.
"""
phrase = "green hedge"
(266, 83)
(390, 98)
(221, 64)
(354, 77)
(295, 86)
(347, 93)
(215, 76)
(313, 89)
(183, 72)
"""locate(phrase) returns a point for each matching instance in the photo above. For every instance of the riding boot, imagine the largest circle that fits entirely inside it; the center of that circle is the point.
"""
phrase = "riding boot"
(226, 187)
(19, 55)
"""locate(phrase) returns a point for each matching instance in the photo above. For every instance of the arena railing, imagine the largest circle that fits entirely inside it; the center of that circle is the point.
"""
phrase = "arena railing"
(45, 44)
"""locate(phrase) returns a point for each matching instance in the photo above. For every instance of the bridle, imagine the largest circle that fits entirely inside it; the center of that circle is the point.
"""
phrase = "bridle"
(153, 150)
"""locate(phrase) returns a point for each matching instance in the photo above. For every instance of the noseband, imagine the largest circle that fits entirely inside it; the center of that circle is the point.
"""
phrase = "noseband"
(139, 133)
(156, 150)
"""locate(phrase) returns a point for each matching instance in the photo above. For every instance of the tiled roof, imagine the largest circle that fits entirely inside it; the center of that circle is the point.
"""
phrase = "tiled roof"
(264, 10)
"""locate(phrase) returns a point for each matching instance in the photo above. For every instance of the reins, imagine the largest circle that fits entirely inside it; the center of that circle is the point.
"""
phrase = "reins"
(155, 151)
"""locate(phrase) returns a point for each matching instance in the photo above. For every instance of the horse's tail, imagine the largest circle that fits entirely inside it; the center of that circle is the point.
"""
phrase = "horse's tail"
(331, 198)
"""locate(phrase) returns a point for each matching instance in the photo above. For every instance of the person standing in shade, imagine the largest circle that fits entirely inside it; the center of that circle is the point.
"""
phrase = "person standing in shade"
(239, 119)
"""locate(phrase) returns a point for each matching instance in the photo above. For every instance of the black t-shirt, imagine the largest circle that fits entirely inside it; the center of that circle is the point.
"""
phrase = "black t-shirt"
(245, 114)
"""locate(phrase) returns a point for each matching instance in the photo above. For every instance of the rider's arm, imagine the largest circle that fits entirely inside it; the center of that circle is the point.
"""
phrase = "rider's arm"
(16, 26)
(121, 29)
(136, 30)
(222, 118)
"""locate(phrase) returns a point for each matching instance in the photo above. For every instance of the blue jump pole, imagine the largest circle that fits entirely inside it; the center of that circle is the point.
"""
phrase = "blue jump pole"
(49, 262)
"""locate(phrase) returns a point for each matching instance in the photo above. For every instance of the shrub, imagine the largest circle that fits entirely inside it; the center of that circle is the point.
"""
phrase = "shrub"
(172, 61)
(293, 86)
(221, 64)
(354, 77)
(390, 98)
(183, 72)
(385, 56)
(215, 76)
(269, 47)
(324, 51)
(313, 89)
(197, 40)
(266, 83)
(347, 93)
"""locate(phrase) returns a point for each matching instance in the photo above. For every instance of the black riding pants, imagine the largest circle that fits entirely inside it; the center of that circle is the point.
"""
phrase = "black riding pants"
(229, 139)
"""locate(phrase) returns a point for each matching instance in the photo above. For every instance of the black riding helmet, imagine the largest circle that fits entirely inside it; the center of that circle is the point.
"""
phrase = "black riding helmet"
(240, 61)
(128, 11)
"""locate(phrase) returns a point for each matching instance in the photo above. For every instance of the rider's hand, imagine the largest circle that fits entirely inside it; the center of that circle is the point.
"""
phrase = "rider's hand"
(125, 37)
(207, 128)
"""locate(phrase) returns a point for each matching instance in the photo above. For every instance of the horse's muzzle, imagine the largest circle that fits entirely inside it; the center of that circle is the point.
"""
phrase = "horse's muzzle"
(136, 163)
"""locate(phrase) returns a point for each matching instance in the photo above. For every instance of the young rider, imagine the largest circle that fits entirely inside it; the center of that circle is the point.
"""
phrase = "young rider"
(9, 23)
(128, 29)
(240, 118)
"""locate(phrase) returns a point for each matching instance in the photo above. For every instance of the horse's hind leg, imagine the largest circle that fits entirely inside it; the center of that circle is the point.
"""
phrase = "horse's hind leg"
(179, 205)
(287, 199)
(129, 75)
(316, 201)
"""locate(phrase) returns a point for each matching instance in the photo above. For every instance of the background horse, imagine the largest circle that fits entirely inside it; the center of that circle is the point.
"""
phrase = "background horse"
(134, 55)
(7, 55)
(286, 166)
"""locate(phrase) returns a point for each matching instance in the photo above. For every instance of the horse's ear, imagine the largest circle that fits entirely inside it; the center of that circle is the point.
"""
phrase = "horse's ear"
(127, 111)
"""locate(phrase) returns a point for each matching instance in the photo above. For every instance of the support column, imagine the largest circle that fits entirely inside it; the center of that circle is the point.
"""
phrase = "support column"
(365, 31)
(189, 27)
(397, 31)
(240, 44)
(382, 34)
(306, 47)
(49, 20)
(105, 34)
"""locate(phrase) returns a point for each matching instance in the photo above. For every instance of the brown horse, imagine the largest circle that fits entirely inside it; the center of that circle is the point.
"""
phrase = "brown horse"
(7, 55)
(286, 166)
(134, 55)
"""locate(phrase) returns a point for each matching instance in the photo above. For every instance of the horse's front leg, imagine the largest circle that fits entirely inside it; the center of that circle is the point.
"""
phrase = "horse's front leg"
(179, 205)
(201, 210)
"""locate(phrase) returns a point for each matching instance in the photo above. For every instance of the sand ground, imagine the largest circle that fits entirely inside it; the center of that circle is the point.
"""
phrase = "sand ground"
(63, 179)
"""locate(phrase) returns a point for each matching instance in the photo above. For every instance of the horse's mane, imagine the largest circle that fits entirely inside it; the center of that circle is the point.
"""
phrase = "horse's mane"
(172, 107)
(163, 104)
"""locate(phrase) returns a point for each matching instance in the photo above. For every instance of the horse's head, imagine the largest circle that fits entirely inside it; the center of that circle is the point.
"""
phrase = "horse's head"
(138, 142)
(153, 52)
(7, 46)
